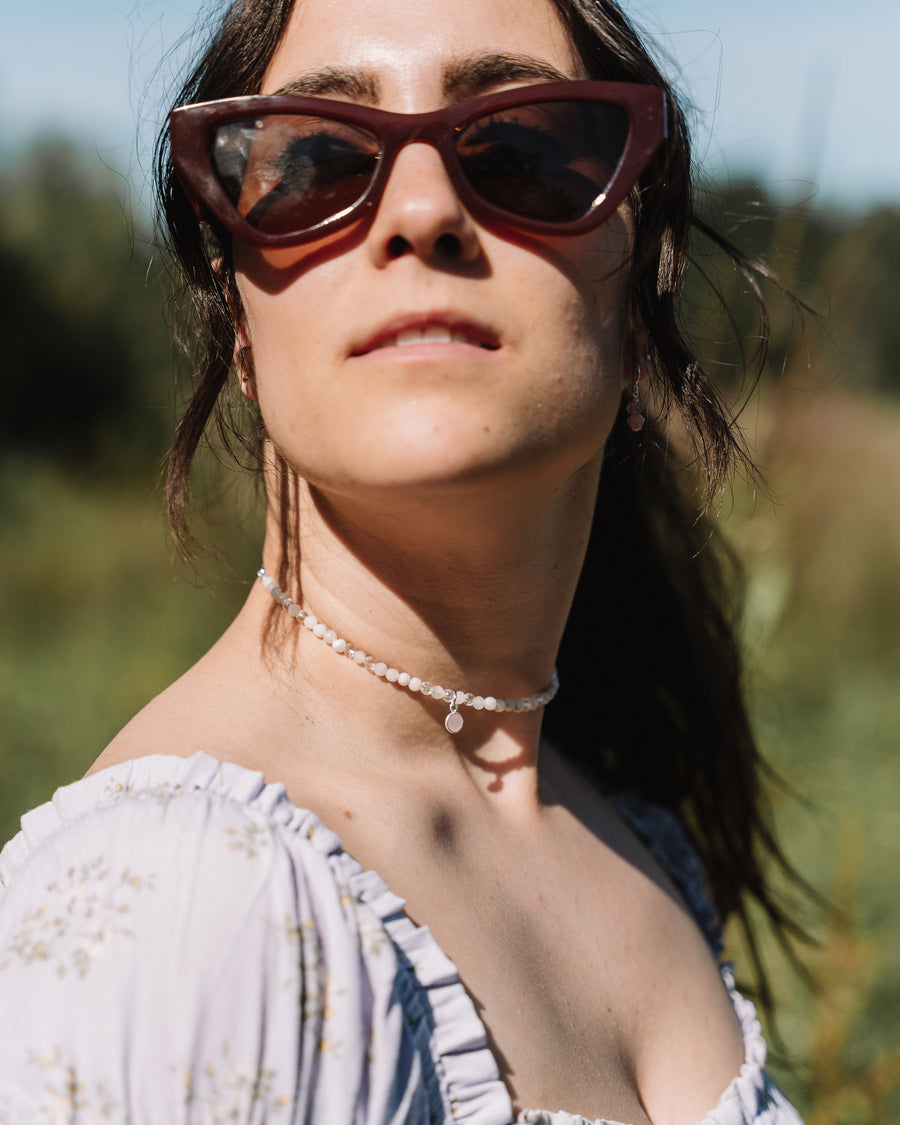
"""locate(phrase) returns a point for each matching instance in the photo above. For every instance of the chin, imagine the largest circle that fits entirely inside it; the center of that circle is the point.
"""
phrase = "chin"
(459, 471)
(423, 446)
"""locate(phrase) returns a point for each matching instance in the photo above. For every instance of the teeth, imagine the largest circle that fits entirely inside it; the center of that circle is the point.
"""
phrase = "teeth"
(433, 334)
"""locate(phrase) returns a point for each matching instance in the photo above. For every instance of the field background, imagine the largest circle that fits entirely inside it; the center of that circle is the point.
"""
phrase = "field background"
(97, 615)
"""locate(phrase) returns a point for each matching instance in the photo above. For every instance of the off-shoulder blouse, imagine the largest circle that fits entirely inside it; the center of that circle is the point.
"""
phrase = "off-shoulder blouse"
(181, 945)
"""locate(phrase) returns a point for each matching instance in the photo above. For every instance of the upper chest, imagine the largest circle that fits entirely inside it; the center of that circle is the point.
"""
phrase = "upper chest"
(597, 990)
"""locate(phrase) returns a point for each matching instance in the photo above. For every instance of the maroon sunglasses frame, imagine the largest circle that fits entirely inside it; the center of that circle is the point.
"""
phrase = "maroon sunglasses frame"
(191, 127)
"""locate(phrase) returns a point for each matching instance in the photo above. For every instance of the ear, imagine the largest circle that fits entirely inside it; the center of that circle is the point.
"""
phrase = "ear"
(243, 363)
(636, 365)
(242, 357)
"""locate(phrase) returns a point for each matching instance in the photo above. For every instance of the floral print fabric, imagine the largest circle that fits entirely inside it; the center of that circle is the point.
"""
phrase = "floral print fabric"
(181, 945)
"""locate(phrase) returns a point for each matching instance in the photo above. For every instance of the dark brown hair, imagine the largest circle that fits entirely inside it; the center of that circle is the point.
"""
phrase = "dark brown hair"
(658, 585)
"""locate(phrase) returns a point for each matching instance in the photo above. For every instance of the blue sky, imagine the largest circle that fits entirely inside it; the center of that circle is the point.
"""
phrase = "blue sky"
(802, 94)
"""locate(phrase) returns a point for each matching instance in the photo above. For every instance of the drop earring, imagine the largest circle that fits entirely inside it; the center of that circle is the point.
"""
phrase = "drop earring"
(635, 408)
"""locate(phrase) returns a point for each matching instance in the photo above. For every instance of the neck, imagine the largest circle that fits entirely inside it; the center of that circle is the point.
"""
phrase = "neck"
(468, 588)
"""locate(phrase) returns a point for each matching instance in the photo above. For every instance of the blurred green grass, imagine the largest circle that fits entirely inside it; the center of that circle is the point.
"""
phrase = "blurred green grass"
(822, 636)
(98, 615)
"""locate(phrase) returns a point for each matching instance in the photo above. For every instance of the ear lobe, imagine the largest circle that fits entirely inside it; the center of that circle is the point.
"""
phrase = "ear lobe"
(636, 365)
(637, 360)
(243, 364)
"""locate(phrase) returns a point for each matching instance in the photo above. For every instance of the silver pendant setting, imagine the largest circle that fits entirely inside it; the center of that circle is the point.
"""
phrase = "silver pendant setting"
(454, 721)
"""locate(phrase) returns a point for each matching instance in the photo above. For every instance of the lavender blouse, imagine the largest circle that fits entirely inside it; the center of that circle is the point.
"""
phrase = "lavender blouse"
(181, 945)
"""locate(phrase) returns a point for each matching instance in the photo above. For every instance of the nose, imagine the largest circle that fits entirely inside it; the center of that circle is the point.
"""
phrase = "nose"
(420, 214)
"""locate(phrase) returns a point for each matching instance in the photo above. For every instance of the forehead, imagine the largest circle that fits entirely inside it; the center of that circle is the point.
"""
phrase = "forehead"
(409, 54)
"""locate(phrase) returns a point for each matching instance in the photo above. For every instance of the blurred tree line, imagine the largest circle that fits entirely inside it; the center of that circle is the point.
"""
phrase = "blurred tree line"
(90, 363)
(88, 353)
(841, 273)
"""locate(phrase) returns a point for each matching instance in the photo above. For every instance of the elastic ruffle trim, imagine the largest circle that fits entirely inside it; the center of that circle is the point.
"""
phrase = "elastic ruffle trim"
(441, 1014)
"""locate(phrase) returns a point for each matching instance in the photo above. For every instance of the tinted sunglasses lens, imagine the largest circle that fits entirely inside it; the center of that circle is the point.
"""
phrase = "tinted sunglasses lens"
(551, 161)
(287, 173)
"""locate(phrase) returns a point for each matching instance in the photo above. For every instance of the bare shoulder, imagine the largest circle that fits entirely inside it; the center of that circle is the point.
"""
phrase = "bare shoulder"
(210, 708)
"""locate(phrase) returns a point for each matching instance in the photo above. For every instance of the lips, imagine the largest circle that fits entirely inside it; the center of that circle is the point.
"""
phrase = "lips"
(430, 328)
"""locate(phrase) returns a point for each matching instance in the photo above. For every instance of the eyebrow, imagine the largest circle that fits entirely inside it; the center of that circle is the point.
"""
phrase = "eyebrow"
(463, 79)
(478, 73)
(354, 85)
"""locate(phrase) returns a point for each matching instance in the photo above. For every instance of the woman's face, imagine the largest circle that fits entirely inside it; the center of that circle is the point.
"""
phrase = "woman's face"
(348, 402)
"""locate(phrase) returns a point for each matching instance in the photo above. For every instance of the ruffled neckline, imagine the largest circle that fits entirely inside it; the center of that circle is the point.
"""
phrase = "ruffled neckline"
(471, 1087)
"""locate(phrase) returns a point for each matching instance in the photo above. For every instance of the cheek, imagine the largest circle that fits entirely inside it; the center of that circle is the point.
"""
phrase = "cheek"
(273, 319)
(290, 337)
(588, 347)
(576, 374)
(287, 294)
(283, 341)
(606, 280)
(588, 328)
(583, 298)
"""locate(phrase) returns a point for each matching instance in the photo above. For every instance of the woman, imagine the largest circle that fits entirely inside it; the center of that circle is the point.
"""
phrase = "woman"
(439, 376)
